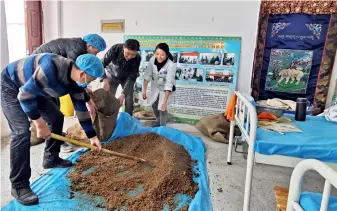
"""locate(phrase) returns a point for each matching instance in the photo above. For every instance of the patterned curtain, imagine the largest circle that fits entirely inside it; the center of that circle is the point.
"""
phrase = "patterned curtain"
(313, 7)
(281, 10)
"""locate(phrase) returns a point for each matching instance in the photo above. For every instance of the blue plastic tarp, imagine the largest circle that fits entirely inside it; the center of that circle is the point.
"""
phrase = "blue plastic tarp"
(53, 187)
(312, 202)
(317, 141)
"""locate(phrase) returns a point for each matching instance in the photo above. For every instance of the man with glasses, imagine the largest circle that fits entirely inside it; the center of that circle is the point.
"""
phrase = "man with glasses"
(121, 64)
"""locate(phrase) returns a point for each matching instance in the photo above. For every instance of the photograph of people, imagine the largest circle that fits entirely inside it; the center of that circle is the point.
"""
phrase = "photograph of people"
(147, 54)
(210, 58)
(188, 73)
(192, 74)
(175, 56)
(229, 59)
(225, 76)
(142, 69)
(199, 75)
(178, 74)
(161, 73)
(188, 58)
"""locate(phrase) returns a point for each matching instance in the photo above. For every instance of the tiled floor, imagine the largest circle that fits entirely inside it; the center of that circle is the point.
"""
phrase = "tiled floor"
(226, 182)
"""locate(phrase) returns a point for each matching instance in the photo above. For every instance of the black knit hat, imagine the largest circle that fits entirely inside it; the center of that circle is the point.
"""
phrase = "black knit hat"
(164, 47)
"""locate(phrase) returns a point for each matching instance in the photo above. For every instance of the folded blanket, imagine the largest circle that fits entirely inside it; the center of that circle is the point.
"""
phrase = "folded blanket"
(282, 104)
(331, 113)
(281, 125)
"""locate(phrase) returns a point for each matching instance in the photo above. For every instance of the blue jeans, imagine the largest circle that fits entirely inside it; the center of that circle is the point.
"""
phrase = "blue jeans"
(19, 125)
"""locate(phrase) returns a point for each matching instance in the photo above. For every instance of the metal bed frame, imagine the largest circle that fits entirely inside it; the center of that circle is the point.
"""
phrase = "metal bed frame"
(296, 183)
(246, 119)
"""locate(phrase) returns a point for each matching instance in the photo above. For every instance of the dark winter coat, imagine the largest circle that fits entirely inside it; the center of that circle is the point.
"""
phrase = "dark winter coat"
(67, 47)
(118, 68)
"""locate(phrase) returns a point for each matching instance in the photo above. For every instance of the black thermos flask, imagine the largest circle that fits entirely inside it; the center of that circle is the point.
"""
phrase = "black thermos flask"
(301, 109)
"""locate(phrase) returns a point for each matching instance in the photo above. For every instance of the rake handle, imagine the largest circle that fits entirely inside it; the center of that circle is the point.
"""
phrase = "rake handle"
(82, 144)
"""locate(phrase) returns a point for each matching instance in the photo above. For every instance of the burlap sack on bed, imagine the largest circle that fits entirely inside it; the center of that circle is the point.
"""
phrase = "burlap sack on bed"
(216, 127)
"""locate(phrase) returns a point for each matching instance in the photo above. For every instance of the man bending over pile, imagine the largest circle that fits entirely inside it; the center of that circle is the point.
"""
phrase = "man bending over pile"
(27, 89)
(72, 48)
(122, 67)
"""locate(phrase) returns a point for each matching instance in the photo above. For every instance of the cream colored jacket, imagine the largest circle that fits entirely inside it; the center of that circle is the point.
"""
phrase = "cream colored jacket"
(161, 81)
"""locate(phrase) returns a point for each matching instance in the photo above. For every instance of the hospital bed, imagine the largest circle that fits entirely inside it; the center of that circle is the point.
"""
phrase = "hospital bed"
(272, 148)
(307, 201)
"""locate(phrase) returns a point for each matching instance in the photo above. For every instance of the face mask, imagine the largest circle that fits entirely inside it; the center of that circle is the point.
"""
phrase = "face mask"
(85, 84)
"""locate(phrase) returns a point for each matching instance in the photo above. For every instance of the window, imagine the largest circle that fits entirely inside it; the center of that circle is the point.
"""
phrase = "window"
(16, 32)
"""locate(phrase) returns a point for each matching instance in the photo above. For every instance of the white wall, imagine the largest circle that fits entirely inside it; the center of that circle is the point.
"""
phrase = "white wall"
(51, 20)
(230, 18)
(333, 84)
(227, 18)
(4, 61)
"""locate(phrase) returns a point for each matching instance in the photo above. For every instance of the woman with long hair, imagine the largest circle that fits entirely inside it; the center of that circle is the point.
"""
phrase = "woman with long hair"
(161, 72)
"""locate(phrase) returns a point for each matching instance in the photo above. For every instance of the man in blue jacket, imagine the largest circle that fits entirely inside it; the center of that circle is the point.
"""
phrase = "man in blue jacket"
(27, 89)
(72, 48)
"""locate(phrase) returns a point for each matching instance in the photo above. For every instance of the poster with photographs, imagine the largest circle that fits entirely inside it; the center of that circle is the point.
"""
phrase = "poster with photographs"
(206, 75)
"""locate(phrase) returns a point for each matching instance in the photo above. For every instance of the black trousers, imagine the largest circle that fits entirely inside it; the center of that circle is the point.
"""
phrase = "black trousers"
(161, 116)
(128, 92)
(20, 170)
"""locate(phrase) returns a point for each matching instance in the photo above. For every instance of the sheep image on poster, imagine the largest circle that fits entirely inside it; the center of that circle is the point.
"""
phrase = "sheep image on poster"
(289, 70)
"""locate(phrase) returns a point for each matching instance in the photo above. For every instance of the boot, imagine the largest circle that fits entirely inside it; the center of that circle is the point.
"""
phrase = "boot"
(150, 124)
(25, 195)
(54, 161)
(67, 148)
